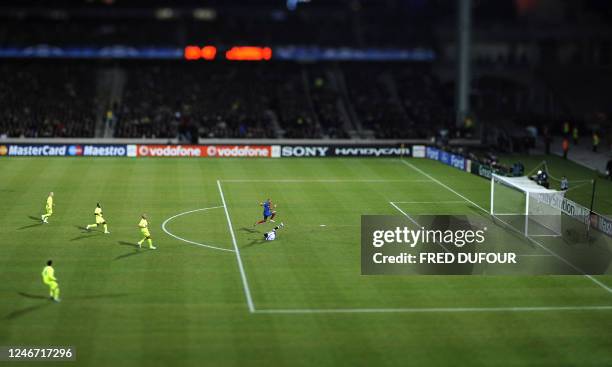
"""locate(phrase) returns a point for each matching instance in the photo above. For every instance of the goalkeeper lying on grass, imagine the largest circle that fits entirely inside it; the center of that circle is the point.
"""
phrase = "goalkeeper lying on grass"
(271, 236)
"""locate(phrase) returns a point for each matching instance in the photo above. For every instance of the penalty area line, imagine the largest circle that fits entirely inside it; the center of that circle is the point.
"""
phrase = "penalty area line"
(404, 213)
(434, 310)
(323, 180)
(245, 282)
(413, 221)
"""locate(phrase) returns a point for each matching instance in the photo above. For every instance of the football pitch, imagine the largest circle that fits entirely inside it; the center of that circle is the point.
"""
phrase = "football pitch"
(214, 293)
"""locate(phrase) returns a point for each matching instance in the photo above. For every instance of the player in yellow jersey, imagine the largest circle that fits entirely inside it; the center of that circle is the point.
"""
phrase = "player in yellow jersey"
(99, 219)
(48, 277)
(144, 229)
(48, 208)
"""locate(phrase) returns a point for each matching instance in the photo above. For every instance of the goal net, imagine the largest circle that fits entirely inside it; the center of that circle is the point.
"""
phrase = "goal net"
(532, 209)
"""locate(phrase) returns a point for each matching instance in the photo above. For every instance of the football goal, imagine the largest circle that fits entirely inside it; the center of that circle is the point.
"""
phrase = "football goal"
(532, 209)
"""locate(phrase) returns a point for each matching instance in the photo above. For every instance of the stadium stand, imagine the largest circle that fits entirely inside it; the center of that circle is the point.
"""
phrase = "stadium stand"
(245, 101)
(46, 100)
(397, 101)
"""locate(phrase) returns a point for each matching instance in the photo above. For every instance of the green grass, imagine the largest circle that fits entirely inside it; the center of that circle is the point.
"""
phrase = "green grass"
(580, 192)
(185, 304)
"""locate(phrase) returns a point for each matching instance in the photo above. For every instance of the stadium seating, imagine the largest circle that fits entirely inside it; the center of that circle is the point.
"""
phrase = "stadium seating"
(395, 101)
(220, 100)
(46, 99)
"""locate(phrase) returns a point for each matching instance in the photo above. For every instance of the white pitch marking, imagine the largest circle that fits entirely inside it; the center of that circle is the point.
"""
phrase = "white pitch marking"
(323, 225)
(414, 221)
(434, 310)
(245, 282)
(593, 279)
(441, 184)
(186, 240)
(333, 180)
(430, 202)
(405, 214)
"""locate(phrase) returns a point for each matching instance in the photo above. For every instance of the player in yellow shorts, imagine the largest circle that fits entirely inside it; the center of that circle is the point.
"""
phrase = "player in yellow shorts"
(144, 229)
(48, 208)
(48, 277)
(99, 219)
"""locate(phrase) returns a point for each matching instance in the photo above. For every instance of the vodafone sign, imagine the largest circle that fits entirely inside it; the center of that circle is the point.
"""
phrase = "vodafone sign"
(169, 151)
(261, 151)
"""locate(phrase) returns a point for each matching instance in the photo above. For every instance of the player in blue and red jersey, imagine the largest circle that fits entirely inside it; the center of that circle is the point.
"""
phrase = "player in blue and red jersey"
(268, 212)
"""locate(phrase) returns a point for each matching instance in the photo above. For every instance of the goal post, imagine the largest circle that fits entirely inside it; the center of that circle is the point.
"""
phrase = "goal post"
(526, 206)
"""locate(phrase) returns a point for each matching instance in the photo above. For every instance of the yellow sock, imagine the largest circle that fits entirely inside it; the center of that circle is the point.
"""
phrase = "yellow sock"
(150, 242)
(105, 228)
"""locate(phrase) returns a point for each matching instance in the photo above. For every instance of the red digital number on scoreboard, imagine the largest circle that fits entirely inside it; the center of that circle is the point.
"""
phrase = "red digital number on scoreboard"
(197, 53)
(236, 53)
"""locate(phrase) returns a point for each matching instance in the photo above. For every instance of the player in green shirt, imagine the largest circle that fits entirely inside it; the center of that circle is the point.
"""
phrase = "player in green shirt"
(48, 277)
(48, 208)
(99, 219)
(144, 229)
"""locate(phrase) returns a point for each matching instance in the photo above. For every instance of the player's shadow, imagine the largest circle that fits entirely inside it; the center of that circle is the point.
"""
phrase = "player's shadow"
(129, 254)
(24, 311)
(30, 226)
(90, 296)
(125, 243)
(137, 250)
(259, 241)
(34, 296)
(38, 223)
(83, 237)
(249, 230)
(96, 296)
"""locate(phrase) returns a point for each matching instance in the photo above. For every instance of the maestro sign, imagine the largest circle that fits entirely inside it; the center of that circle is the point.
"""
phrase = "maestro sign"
(61, 150)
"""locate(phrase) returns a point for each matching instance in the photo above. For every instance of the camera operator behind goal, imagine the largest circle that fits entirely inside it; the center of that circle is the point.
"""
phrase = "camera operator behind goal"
(541, 178)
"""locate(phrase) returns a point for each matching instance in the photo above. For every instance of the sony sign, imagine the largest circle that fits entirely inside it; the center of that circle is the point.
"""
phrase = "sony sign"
(304, 151)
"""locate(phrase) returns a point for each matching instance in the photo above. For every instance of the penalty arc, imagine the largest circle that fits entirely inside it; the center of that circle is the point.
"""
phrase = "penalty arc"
(165, 223)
